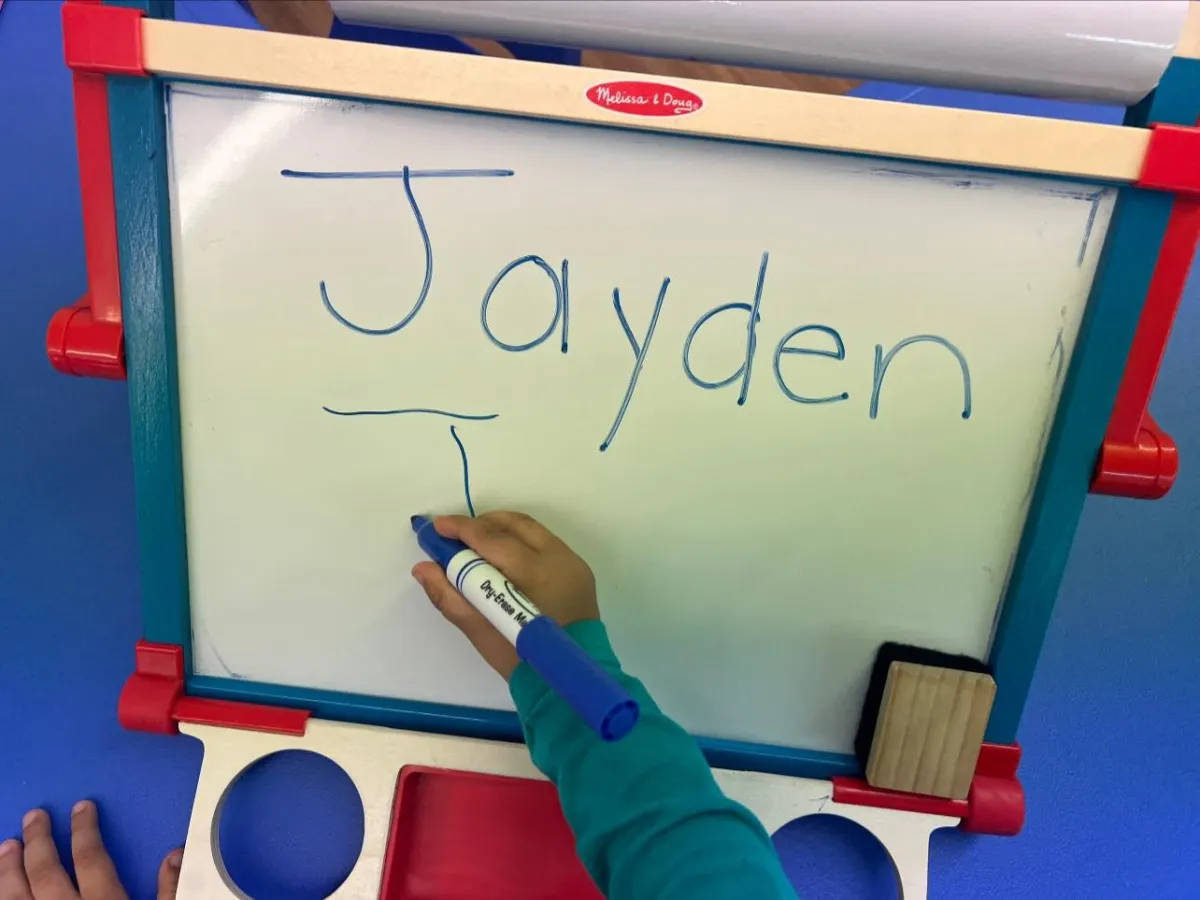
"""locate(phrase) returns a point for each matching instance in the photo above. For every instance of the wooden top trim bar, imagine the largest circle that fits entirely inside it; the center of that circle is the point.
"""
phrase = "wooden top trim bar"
(736, 112)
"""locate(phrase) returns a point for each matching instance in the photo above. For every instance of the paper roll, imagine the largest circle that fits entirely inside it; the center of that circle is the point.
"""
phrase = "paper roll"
(1112, 51)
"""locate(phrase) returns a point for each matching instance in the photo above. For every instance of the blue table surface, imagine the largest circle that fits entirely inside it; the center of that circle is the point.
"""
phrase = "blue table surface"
(1111, 731)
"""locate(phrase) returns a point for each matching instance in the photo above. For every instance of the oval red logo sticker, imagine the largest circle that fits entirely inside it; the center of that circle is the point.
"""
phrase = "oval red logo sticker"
(644, 98)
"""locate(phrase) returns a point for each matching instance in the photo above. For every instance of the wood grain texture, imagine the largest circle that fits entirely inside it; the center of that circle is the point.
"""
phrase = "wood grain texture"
(930, 730)
(739, 112)
(485, 47)
(308, 17)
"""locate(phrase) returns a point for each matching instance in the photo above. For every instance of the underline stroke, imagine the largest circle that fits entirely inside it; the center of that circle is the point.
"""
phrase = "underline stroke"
(412, 173)
(469, 417)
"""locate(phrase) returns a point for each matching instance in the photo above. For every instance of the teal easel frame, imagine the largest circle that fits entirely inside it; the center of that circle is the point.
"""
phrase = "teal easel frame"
(138, 135)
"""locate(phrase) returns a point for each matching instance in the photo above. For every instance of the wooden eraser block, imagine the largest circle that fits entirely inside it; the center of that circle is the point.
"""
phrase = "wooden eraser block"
(929, 731)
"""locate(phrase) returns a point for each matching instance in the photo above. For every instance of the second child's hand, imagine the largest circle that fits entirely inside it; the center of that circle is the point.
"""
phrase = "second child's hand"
(31, 870)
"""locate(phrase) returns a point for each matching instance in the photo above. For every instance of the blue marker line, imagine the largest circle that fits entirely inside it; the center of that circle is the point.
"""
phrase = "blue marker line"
(566, 305)
(625, 323)
(1091, 221)
(751, 338)
(400, 412)
(462, 451)
(954, 181)
(411, 173)
(687, 349)
(1061, 352)
(487, 299)
(1093, 198)
(416, 210)
(640, 351)
(781, 348)
(882, 362)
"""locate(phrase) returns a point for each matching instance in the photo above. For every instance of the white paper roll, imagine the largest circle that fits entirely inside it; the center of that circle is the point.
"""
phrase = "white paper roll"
(1107, 50)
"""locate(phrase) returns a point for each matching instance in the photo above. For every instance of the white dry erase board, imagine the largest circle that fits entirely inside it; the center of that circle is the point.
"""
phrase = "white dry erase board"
(384, 310)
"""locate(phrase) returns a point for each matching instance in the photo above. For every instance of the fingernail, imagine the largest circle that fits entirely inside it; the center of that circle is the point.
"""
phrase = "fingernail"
(175, 858)
(30, 817)
(81, 806)
(8, 847)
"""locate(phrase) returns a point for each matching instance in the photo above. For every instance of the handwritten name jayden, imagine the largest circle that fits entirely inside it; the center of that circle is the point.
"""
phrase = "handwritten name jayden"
(831, 344)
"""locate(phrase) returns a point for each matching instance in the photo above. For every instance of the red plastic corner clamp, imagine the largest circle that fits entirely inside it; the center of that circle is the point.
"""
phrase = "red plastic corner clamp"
(150, 693)
(994, 805)
(1172, 160)
(103, 40)
(1139, 459)
(153, 700)
(996, 800)
(87, 338)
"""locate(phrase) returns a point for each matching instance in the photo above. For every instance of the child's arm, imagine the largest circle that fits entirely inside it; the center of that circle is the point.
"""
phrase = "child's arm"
(648, 818)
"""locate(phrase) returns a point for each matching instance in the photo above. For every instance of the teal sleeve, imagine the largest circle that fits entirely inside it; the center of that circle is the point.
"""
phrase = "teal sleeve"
(649, 821)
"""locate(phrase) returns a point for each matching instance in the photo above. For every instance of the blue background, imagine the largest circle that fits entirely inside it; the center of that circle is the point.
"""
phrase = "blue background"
(1111, 731)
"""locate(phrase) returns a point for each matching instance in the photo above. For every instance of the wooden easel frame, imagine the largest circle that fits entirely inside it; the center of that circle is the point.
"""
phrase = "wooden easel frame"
(1108, 155)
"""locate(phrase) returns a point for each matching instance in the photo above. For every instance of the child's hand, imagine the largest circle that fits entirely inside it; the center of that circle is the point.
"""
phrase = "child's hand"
(32, 871)
(545, 569)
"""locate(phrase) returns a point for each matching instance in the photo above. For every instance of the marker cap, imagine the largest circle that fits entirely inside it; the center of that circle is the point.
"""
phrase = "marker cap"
(588, 689)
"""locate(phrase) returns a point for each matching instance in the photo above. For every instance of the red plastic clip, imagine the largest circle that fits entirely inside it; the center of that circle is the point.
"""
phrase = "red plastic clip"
(103, 40)
(996, 799)
(87, 338)
(149, 695)
(1172, 160)
(77, 344)
(1144, 469)
(857, 792)
(248, 716)
(1139, 459)
(994, 805)
(152, 700)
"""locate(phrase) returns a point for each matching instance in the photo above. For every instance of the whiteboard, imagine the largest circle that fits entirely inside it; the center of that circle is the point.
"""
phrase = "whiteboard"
(751, 556)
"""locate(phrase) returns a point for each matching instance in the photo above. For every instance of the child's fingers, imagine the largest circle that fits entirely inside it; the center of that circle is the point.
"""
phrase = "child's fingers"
(13, 883)
(94, 868)
(528, 529)
(492, 540)
(495, 649)
(168, 875)
(449, 602)
(47, 877)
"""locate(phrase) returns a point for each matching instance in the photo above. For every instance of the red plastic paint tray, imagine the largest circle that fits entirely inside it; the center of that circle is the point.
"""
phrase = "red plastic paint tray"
(469, 836)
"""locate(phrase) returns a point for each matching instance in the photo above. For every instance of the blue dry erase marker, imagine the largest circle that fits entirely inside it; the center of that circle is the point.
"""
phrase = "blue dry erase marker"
(594, 694)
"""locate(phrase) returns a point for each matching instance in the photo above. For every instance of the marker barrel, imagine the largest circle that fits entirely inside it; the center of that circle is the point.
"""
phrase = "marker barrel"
(588, 689)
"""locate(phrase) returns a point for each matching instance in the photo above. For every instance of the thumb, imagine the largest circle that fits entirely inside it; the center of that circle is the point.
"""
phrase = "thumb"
(495, 649)
(168, 875)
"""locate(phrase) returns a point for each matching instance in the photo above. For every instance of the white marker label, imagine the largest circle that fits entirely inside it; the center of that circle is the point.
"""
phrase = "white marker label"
(491, 593)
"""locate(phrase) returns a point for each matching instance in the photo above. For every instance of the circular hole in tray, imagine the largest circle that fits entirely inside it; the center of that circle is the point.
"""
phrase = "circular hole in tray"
(833, 858)
(291, 827)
